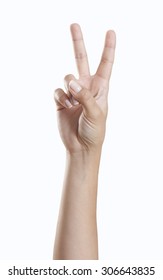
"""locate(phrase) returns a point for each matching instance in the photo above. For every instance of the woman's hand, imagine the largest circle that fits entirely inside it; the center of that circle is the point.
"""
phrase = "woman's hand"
(82, 111)
(82, 108)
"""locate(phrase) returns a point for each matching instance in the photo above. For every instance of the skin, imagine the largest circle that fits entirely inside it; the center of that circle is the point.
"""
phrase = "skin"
(82, 130)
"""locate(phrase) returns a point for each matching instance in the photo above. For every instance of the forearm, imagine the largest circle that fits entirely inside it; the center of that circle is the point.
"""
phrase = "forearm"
(76, 236)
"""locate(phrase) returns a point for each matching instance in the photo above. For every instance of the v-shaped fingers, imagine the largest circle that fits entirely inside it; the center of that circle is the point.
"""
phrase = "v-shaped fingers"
(79, 50)
(107, 59)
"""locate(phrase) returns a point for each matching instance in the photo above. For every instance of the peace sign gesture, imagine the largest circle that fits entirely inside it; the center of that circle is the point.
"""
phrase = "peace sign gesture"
(82, 107)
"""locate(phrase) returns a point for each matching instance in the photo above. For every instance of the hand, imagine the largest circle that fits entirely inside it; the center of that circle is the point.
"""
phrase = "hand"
(82, 109)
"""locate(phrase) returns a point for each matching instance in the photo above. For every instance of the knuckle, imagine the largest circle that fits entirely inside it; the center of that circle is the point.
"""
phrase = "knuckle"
(68, 78)
(61, 97)
(104, 60)
(107, 60)
(81, 55)
(55, 93)
(56, 90)
(58, 94)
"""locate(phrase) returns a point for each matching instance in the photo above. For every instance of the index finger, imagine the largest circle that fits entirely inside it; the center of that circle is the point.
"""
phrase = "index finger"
(107, 59)
(79, 50)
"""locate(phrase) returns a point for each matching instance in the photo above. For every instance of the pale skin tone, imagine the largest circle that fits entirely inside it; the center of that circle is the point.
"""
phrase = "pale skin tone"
(82, 129)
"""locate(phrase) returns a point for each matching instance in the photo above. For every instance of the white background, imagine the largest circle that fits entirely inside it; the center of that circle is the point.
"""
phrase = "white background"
(35, 54)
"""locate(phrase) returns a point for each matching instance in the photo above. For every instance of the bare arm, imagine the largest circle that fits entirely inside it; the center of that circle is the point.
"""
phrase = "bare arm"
(82, 129)
(76, 236)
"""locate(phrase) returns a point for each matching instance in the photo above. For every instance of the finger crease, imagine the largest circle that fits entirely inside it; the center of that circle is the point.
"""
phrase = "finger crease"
(76, 40)
(80, 56)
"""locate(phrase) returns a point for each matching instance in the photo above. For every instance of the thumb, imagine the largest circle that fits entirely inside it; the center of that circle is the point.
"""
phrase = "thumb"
(85, 98)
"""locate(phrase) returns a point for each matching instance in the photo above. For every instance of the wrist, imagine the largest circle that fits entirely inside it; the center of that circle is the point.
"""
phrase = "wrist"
(84, 163)
(85, 155)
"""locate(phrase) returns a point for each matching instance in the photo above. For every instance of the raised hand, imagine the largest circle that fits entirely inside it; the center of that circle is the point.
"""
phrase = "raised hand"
(82, 107)
(82, 111)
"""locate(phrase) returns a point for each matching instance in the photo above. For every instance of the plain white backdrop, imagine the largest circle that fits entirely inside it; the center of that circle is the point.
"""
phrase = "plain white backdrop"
(35, 54)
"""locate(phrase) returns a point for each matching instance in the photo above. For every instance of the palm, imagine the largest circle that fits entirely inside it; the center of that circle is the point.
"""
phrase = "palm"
(75, 128)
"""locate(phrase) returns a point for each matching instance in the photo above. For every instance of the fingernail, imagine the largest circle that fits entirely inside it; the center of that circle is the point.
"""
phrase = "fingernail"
(75, 86)
(74, 101)
(68, 103)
